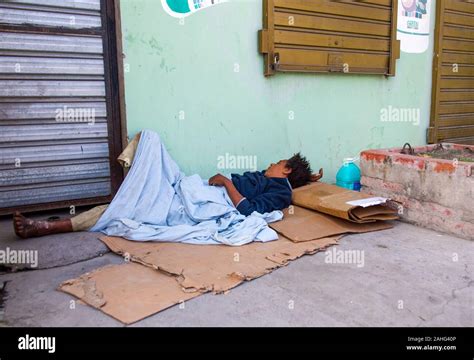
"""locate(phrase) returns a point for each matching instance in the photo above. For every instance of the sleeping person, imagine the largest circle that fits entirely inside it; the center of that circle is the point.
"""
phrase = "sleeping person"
(259, 191)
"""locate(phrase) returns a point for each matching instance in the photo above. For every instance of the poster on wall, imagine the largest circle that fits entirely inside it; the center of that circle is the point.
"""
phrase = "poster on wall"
(413, 27)
(182, 8)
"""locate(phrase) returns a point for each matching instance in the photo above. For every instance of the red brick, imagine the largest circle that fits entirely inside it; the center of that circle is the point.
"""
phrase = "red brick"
(376, 156)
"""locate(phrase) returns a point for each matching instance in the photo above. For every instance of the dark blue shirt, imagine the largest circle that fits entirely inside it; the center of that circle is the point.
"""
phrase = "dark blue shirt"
(261, 194)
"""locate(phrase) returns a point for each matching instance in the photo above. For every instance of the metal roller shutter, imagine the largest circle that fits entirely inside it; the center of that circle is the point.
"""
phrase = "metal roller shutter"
(452, 112)
(330, 36)
(60, 121)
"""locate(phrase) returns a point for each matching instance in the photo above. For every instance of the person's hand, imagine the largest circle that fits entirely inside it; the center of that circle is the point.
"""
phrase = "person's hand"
(316, 177)
(218, 180)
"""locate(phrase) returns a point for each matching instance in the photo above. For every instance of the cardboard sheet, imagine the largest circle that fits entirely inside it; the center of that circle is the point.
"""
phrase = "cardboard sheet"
(332, 200)
(161, 275)
(128, 292)
(165, 274)
(300, 224)
(216, 268)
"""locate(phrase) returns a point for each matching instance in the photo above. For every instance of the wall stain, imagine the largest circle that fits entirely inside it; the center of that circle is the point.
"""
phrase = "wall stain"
(375, 138)
(224, 127)
(153, 46)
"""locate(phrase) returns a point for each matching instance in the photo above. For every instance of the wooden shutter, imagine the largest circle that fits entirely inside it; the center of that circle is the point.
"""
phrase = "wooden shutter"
(330, 36)
(452, 106)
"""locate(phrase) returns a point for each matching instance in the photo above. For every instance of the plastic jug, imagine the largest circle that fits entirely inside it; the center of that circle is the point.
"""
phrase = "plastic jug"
(348, 175)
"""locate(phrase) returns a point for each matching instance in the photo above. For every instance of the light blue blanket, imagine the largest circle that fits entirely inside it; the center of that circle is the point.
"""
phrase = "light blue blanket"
(158, 202)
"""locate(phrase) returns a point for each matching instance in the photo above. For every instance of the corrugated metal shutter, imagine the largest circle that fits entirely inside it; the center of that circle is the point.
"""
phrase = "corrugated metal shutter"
(452, 112)
(328, 36)
(54, 125)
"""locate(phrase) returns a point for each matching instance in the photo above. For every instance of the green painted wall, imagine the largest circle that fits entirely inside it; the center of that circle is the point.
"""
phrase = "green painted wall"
(173, 68)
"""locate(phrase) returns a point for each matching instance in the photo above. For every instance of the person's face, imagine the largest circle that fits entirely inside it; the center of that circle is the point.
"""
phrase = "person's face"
(278, 169)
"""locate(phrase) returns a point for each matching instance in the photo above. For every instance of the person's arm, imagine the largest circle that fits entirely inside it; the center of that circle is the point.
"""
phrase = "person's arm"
(221, 180)
(264, 203)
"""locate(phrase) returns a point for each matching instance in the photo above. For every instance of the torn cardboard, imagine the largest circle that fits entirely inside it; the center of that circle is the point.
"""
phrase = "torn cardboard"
(165, 274)
(332, 200)
(127, 292)
(300, 224)
(215, 268)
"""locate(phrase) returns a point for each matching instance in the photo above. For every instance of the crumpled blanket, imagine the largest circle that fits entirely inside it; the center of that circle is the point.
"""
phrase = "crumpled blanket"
(157, 202)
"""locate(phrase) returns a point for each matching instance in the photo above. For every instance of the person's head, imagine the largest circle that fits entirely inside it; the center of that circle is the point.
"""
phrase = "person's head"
(296, 169)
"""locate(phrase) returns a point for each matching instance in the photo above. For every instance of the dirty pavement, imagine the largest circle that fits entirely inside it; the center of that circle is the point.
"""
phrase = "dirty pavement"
(404, 276)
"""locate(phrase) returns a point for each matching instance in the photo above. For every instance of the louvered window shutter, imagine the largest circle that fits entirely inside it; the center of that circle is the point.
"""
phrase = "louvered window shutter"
(330, 36)
(452, 105)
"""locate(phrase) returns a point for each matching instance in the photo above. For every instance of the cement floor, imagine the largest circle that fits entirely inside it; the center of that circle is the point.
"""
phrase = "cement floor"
(411, 277)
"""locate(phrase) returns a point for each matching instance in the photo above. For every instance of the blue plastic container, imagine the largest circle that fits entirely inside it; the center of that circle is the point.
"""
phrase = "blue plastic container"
(348, 175)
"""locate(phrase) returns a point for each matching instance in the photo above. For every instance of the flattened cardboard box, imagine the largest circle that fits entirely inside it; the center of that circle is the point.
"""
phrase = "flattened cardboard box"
(215, 268)
(300, 224)
(164, 274)
(128, 292)
(332, 200)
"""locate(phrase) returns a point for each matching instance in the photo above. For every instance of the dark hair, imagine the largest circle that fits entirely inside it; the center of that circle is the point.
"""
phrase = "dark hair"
(300, 170)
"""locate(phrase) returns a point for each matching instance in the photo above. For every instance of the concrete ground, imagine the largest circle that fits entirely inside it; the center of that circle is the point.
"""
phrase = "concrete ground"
(410, 277)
